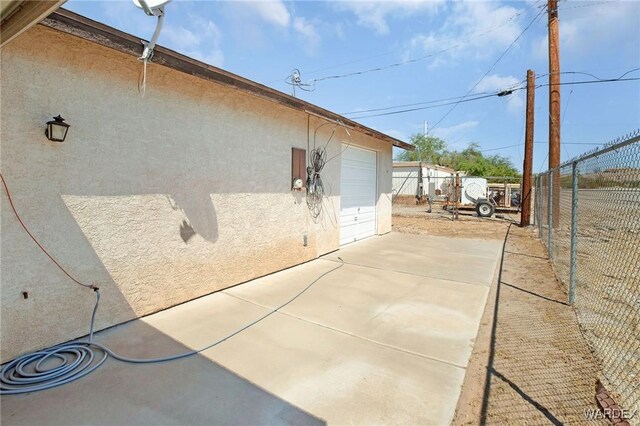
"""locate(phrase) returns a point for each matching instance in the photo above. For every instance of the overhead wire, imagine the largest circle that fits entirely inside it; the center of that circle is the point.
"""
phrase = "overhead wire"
(514, 87)
(536, 142)
(491, 68)
(464, 99)
(584, 5)
(311, 83)
(429, 107)
(413, 104)
(572, 83)
(595, 77)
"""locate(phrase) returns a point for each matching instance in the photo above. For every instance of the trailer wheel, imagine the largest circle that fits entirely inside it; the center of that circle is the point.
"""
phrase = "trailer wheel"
(485, 209)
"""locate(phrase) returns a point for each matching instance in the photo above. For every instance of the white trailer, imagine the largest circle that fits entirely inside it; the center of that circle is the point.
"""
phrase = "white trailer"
(415, 178)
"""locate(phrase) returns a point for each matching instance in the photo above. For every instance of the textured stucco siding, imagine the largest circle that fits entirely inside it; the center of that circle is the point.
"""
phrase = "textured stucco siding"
(157, 200)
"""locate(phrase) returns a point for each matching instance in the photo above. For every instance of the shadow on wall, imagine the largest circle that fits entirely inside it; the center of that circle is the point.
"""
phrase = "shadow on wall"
(200, 212)
(193, 390)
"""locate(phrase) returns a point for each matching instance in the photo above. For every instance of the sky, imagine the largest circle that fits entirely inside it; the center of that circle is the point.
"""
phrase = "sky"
(446, 49)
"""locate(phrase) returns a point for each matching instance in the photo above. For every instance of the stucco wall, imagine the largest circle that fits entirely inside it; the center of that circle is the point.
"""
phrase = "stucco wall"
(157, 200)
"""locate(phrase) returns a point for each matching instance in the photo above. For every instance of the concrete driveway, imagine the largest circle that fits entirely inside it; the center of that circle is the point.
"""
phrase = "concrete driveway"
(385, 338)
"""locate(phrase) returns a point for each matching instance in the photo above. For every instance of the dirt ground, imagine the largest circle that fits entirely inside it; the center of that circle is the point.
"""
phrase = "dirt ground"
(415, 220)
(540, 370)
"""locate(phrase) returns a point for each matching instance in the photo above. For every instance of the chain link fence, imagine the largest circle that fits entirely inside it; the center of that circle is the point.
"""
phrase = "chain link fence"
(587, 214)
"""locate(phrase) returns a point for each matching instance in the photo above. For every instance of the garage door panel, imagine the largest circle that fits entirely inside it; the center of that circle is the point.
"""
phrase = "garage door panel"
(358, 194)
(355, 203)
(348, 233)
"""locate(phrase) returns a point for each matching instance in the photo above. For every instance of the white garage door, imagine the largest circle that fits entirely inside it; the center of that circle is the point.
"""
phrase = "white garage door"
(358, 193)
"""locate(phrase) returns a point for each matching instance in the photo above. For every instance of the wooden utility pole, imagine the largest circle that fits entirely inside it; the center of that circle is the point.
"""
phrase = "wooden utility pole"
(554, 103)
(527, 167)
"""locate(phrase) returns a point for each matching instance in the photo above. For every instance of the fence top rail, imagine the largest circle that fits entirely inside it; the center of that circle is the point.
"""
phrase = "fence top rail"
(613, 145)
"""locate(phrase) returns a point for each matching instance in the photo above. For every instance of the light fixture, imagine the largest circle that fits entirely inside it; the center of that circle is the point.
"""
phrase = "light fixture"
(57, 129)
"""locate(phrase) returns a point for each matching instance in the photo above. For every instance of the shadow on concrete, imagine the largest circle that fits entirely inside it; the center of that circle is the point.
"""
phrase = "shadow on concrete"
(192, 390)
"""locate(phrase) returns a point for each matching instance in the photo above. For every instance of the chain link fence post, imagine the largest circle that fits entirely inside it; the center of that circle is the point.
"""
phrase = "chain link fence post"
(539, 205)
(549, 213)
(574, 232)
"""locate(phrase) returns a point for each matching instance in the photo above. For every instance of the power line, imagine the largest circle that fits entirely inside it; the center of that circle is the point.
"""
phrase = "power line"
(427, 107)
(538, 142)
(533, 21)
(501, 147)
(476, 35)
(588, 82)
(594, 76)
(585, 5)
(463, 100)
(413, 104)
(481, 93)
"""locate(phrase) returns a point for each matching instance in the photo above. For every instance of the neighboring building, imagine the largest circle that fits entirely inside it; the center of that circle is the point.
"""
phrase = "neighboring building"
(161, 199)
(435, 179)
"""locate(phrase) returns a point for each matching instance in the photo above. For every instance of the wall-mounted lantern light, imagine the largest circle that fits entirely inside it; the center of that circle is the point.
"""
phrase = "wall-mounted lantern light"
(57, 129)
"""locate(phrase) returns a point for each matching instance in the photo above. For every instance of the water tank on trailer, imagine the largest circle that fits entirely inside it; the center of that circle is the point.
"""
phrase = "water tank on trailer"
(473, 188)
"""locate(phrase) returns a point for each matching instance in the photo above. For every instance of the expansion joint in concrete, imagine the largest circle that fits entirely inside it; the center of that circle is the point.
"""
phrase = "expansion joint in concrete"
(375, 342)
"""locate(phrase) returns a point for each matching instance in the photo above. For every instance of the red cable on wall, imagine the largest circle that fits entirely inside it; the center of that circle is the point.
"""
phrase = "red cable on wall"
(15, 212)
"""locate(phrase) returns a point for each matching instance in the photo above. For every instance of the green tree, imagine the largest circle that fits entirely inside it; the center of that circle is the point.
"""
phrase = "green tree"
(428, 149)
(472, 161)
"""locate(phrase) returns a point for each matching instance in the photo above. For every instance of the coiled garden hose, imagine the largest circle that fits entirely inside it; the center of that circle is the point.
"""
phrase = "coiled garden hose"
(27, 373)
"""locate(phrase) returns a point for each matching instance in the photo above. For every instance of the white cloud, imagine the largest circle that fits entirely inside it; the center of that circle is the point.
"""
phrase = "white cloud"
(453, 134)
(493, 83)
(203, 43)
(272, 11)
(476, 28)
(247, 17)
(374, 14)
(584, 30)
(309, 33)
(180, 38)
(456, 131)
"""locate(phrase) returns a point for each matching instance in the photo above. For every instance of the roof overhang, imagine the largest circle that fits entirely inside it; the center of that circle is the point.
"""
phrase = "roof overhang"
(17, 16)
(88, 29)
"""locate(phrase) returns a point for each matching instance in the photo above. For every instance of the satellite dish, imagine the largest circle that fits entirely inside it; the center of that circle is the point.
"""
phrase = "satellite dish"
(151, 7)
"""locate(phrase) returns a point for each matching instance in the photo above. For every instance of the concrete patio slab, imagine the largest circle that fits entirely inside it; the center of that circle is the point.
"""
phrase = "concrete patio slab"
(465, 260)
(427, 316)
(339, 378)
(386, 343)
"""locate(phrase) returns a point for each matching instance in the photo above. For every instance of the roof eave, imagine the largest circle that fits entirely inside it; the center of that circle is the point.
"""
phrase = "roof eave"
(71, 23)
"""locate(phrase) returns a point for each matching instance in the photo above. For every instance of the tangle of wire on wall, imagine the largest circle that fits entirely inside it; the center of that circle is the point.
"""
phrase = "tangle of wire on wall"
(316, 190)
(315, 186)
